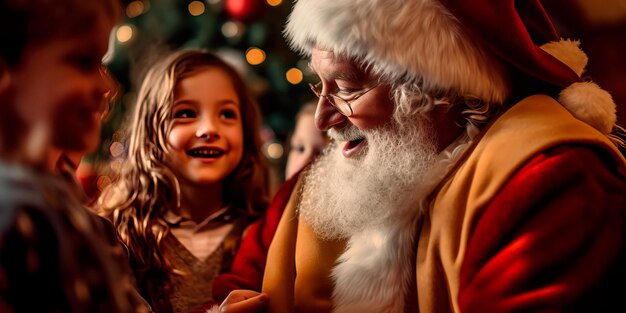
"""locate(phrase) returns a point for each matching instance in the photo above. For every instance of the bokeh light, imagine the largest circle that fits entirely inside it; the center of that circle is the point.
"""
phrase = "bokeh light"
(102, 182)
(294, 76)
(232, 29)
(196, 8)
(135, 9)
(274, 2)
(116, 149)
(116, 165)
(255, 56)
(124, 33)
(274, 150)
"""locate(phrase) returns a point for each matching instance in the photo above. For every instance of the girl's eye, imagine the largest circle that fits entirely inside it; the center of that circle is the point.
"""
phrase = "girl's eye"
(228, 114)
(186, 113)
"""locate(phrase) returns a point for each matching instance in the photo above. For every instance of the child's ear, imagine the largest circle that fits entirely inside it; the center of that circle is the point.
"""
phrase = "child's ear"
(5, 76)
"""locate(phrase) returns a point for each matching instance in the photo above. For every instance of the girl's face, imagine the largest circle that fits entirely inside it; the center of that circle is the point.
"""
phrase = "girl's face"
(206, 136)
(59, 84)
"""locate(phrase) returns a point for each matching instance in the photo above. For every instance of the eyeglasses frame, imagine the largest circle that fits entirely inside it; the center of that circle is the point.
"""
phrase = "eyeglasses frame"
(347, 103)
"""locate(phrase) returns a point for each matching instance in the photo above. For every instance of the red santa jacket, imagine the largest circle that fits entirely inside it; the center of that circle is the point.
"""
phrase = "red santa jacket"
(543, 234)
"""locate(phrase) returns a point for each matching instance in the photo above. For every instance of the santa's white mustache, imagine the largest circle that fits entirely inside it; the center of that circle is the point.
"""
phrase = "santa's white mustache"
(347, 133)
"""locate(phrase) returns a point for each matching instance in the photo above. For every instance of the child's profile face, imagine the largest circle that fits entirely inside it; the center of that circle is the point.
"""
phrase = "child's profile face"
(59, 83)
(206, 136)
(306, 143)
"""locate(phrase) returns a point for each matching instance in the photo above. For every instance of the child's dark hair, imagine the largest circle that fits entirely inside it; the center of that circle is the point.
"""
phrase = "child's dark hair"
(32, 22)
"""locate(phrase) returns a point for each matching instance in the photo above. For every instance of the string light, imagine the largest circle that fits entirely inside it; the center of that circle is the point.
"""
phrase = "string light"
(116, 149)
(294, 76)
(116, 165)
(274, 2)
(135, 9)
(196, 8)
(232, 29)
(274, 150)
(124, 33)
(255, 56)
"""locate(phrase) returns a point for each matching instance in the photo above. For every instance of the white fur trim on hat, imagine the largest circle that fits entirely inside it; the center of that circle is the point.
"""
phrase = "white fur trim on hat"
(584, 100)
(418, 39)
(569, 53)
(590, 104)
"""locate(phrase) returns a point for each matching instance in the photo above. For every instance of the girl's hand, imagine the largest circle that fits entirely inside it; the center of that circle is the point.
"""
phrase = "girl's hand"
(244, 301)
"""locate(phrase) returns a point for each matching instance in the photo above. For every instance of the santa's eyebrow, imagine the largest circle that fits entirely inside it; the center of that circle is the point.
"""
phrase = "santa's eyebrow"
(353, 75)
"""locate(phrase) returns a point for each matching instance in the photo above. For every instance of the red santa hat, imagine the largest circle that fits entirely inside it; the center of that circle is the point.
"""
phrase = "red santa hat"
(462, 45)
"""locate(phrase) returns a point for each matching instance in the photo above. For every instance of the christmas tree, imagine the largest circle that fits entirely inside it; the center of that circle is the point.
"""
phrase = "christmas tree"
(246, 33)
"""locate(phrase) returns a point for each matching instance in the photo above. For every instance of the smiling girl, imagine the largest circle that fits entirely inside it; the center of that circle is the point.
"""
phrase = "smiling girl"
(195, 179)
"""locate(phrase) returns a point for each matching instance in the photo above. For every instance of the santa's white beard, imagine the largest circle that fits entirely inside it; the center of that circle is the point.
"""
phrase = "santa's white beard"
(342, 196)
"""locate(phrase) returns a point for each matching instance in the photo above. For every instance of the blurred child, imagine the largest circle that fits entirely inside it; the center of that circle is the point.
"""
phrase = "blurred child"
(306, 142)
(66, 162)
(195, 179)
(54, 255)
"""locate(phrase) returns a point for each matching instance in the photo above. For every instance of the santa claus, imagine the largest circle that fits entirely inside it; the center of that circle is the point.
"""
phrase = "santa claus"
(471, 168)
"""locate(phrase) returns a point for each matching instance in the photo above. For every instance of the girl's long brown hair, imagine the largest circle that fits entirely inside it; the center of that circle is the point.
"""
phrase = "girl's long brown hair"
(147, 188)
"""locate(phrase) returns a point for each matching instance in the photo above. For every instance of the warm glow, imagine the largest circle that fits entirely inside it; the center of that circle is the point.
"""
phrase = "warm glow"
(294, 75)
(275, 150)
(124, 33)
(231, 29)
(196, 8)
(135, 9)
(116, 149)
(274, 2)
(255, 56)
(602, 11)
(116, 165)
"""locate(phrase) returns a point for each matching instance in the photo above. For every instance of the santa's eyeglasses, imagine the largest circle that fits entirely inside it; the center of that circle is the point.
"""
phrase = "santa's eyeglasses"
(342, 105)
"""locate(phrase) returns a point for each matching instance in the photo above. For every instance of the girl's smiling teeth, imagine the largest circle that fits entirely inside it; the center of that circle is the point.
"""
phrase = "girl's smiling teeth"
(205, 152)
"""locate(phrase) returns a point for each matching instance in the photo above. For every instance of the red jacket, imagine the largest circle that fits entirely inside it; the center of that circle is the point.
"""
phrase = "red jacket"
(249, 263)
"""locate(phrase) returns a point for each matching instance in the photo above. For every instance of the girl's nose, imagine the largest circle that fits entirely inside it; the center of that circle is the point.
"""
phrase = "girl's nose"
(207, 130)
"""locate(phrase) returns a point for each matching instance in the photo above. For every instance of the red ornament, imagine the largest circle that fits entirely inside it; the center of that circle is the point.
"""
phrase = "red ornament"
(245, 10)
